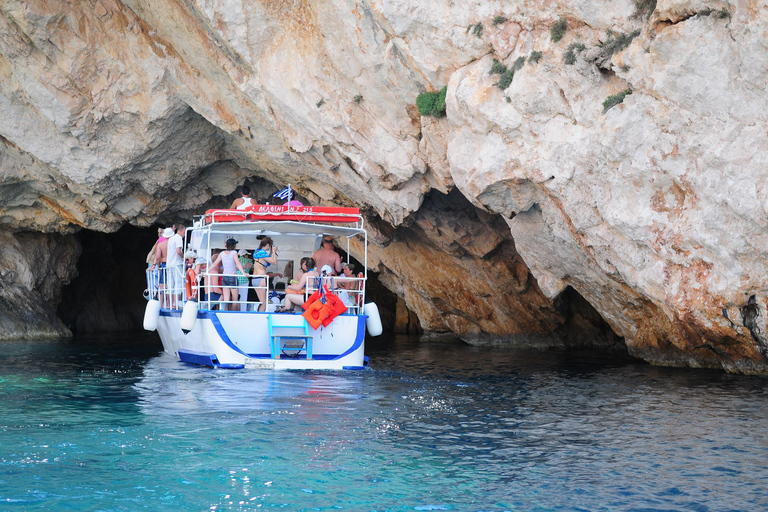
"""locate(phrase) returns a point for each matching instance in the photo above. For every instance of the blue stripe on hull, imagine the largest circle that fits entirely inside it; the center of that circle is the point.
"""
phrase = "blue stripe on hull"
(210, 359)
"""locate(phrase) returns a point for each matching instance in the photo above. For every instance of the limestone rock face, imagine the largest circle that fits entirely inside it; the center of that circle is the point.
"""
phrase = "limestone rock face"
(649, 207)
(33, 269)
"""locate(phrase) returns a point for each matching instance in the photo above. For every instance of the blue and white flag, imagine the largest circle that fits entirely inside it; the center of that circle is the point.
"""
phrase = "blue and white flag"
(284, 194)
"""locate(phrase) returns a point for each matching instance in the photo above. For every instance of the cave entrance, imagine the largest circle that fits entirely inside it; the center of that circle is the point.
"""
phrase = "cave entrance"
(584, 327)
(107, 294)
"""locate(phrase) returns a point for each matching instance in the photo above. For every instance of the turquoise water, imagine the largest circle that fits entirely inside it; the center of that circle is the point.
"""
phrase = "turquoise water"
(114, 425)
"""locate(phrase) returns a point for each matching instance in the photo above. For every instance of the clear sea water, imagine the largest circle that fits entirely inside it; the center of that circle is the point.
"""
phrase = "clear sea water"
(115, 425)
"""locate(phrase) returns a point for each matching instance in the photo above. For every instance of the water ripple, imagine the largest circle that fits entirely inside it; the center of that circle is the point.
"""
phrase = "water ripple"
(432, 426)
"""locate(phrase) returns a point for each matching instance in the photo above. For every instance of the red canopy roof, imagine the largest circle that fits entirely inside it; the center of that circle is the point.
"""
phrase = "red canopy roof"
(259, 212)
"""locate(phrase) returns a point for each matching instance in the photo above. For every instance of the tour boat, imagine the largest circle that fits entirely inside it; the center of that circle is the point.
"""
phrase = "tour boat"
(328, 335)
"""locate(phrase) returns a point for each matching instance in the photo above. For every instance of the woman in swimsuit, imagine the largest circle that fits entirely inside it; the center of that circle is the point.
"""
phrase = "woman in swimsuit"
(294, 292)
(260, 268)
(229, 262)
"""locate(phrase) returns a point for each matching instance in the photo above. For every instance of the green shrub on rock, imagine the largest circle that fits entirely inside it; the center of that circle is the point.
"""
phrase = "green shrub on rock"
(569, 57)
(506, 78)
(432, 103)
(497, 68)
(618, 42)
(615, 99)
(558, 30)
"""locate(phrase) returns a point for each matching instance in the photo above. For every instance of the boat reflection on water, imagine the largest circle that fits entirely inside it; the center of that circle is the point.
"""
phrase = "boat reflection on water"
(168, 388)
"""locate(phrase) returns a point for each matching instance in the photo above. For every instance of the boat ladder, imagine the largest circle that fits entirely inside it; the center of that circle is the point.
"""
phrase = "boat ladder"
(289, 336)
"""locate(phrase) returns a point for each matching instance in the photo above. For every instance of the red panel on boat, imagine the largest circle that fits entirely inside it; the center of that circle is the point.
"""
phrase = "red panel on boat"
(257, 212)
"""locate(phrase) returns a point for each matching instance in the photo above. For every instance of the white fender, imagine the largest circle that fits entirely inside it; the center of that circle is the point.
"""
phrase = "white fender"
(151, 314)
(189, 316)
(373, 322)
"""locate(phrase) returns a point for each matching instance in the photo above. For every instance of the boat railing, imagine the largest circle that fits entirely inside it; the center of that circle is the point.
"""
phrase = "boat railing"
(351, 290)
(169, 286)
(166, 285)
(209, 298)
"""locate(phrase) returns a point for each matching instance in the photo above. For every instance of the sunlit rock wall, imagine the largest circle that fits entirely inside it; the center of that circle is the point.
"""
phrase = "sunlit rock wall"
(653, 211)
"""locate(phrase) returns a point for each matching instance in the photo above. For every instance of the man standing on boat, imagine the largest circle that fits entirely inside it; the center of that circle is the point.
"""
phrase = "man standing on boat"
(175, 266)
(160, 263)
(244, 202)
(326, 255)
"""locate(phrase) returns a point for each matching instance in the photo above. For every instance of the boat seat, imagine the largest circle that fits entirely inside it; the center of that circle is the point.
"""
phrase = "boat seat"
(289, 332)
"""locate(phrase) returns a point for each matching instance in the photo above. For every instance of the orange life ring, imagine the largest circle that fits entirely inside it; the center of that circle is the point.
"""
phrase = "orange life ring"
(316, 313)
(191, 278)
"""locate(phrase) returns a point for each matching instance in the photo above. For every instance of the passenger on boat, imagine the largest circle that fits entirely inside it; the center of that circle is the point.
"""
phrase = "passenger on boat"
(294, 292)
(160, 264)
(260, 269)
(153, 252)
(189, 263)
(229, 263)
(303, 268)
(175, 267)
(201, 265)
(154, 274)
(213, 279)
(242, 279)
(326, 255)
(349, 271)
(243, 202)
(346, 282)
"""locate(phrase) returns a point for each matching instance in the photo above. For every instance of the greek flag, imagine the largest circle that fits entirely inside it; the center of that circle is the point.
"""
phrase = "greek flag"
(284, 194)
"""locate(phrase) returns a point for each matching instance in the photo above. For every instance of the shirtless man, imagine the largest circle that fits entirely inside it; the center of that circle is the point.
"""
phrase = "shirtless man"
(243, 202)
(325, 255)
(161, 256)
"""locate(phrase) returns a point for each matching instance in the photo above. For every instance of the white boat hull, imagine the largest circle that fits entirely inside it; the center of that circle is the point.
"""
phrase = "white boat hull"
(234, 339)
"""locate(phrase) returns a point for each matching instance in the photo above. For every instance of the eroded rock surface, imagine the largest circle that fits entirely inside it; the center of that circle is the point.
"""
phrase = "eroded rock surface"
(33, 269)
(652, 211)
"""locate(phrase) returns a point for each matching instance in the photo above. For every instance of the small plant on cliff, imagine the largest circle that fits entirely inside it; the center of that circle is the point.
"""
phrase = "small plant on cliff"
(498, 20)
(320, 103)
(569, 57)
(720, 14)
(617, 42)
(432, 103)
(507, 75)
(497, 68)
(358, 98)
(645, 7)
(505, 79)
(615, 99)
(476, 29)
(535, 57)
(558, 30)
